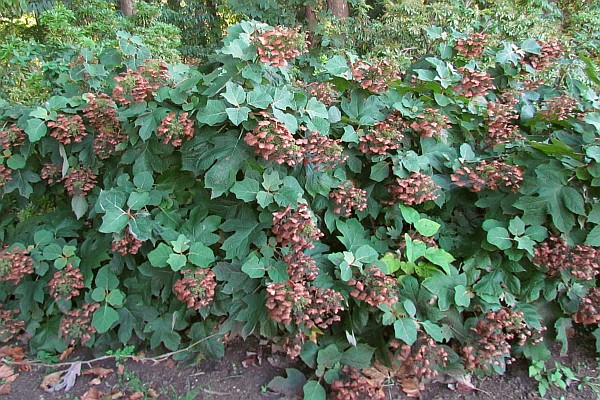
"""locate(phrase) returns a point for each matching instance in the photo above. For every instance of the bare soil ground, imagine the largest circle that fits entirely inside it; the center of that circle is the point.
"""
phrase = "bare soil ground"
(248, 367)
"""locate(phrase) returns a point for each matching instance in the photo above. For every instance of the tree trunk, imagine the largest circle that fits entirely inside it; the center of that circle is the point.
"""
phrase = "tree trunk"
(339, 8)
(126, 6)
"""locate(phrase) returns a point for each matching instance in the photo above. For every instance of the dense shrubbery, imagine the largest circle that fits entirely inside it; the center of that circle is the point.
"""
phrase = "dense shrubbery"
(442, 217)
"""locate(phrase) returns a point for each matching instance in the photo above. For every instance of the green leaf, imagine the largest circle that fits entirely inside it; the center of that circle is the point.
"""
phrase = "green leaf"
(115, 298)
(573, 200)
(200, 255)
(405, 329)
(427, 227)
(163, 331)
(380, 171)
(439, 257)
(114, 221)
(435, 331)
(337, 66)
(289, 193)
(214, 113)
(16, 161)
(79, 206)
(176, 261)
(593, 237)
(234, 94)
(315, 109)
(410, 215)
(507, 55)
(291, 386)
(143, 180)
(254, 267)
(366, 254)
(259, 98)
(392, 263)
(160, 255)
(314, 391)
(104, 318)
(358, 356)
(138, 201)
(237, 245)
(36, 129)
(499, 237)
(461, 296)
(328, 357)
(531, 46)
(516, 226)
(220, 177)
(237, 115)
(106, 278)
(282, 99)
(148, 126)
(409, 307)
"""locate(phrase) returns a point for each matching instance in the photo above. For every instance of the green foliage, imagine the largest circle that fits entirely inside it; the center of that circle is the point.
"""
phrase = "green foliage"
(335, 210)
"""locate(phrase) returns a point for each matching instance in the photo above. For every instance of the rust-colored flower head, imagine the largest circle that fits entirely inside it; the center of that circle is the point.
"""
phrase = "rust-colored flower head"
(301, 267)
(126, 244)
(295, 227)
(10, 137)
(280, 45)
(488, 175)
(416, 189)
(589, 310)
(15, 263)
(196, 288)
(175, 130)
(66, 283)
(68, 128)
(430, 123)
(76, 325)
(348, 198)
(583, 261)
(10, 325)
(374, 287)
(385, 136)
(472, 46)
(353, 385)
(474, 83)
(322, 152)
(274, 142)
(79, 182)
(5, 175)
(374, 75)
(102, 115)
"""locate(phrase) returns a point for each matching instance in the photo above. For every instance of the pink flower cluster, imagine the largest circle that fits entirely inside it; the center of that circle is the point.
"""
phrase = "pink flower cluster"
(550, 52)
(347, 198)
(174, 130)
(301, 267)
(431, 123)
(474, 83)
(274, 142)
(497, 332)
(51, 173)
(5, 175)
(321, 151)
(280, 45)
(581, 260)
(488, 175)
(66, 283)
(374, 287)
(79, 182)
(68, 128)
(138, 86)
(385, 136)
(500, 121)
(10, 325)
(15, 263)
(76, 325)
(559, 108)
(589, 310)
(471, 46)
(325, 92)
(416, 189)
(102, 115)
(353, 385)
(11, 137)
(295, 227)
(127, 244)
(196, 288)
(374, 75)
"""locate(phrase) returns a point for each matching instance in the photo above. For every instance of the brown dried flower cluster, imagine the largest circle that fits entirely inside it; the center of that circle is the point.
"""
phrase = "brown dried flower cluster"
(68, 128)
(348, 198)
(66, 283)
(11, 137)
(550, 52)
(589, 310)
(174, 130)
(102, 115)
(416, 189)
(353, 385)
(197, 288)
(471, 46)
(127, 244)
(559, 108)
(581, 260)
(15, 263)
(301, 267)
(431, 123)
(488, 175)
(323, 309)
(374, 75)
(322, 152)
(295, 227)
(79, 182)
(274, 142)
(374, 287)
(497, 332)
(385, 136)
(10, 325)
(280, 45)
(76, 325)
(5, 175)
(500, 121)
(474, 83)
(51, 173)
(325, 92)
(137, 86)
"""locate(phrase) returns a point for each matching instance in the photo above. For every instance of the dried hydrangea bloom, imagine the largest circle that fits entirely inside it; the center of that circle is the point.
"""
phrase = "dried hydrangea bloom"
(5, 175)
(583, 261)
(497, 332)
(325, 92)
(474, 83)
(79, 182)
(589, 310)
(127, 244)
(416, 189)
(66, 283)
(323, 309)
(12, 136)
(501, 122)
(280, 45)
(323, 152)
(353, 385)
(472, 46)
(295, 227)
(76, 325)
(286, 301)
(348, 198)
(10, 325)
(430, 123)
(274, 142)
(550, 52)
(196, 288)
(301, 268)
(175, 130)
(67, 128)
(559, 108)
(15, 263)
(102, 115)
(51, 173)
(374, 75)
(374, 287)
(385, 136)
(488, 175)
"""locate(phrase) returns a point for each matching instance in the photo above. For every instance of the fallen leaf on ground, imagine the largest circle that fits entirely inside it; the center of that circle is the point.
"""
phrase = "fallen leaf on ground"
(58, 381)
(7, 373)
(95, 382)
(152, 394)
(15, 353)
(66, 353)
(412, 387)
(169, 363)
(5, 388)
(92, 394)
(136, 396)
(99, 372)
(120, 369)
(50, 380)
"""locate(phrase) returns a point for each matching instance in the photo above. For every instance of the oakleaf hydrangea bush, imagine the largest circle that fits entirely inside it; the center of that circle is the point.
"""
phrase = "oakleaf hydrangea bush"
(375, 224)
